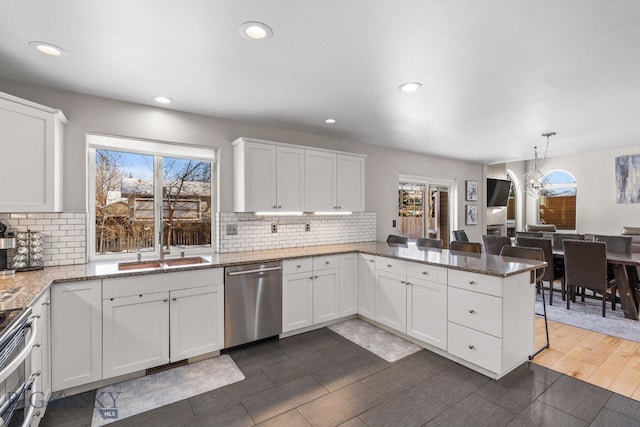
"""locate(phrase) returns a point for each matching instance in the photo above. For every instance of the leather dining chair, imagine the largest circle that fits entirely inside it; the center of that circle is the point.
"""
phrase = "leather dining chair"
(533, 253)
(550, 273)
(472, 247)
(528, 234)
(425, 242)
(585, 264)
(493, 244)
(558, 238)
(615, 244)
(460, 235)
(394, 238)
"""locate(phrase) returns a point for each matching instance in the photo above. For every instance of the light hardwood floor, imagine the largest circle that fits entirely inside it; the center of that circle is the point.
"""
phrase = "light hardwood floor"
(608, 362)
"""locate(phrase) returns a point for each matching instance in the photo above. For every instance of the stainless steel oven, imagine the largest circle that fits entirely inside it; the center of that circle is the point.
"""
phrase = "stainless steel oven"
(17, 381)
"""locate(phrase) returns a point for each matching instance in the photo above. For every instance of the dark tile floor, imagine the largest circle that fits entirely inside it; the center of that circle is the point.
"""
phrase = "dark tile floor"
(321, 379)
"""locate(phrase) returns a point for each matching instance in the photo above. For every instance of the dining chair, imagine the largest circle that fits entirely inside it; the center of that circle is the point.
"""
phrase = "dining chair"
(493, 244)
(425, 242)
(472, 247)
(615, 244)
(533, 253)
(550, 273)
(460, 236)
(558, 238)
(528, 234)
(540, 227)
(585, 265)
(394, 238)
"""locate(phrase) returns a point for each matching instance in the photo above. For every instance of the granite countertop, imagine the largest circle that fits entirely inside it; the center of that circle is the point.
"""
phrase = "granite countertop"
(21, 289)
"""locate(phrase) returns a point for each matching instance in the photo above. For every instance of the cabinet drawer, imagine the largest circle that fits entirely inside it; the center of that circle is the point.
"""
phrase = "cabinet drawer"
(427, 272)
(391, 265)
(298, 265)
(476, 282)
(326, 262)
(476, 311)
(475, 347)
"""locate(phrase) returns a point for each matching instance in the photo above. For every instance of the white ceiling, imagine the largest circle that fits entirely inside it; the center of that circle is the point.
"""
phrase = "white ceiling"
(496, 74)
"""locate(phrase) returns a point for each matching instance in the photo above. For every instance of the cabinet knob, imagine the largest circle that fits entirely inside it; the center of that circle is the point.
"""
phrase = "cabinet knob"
(326, 262)
(279, 207)
(426, 273)
(472, 282)
(310, 277)
(275, 207)
(339, 207)
(36, 345)
(165, 299)
(37, 414)
(298, 266)
(174, 299)
(471, 347)
(389, 266)
(315, 277)
(471, 310)
(371, 260)
(46, 303)
(140, 295)
(403, 282)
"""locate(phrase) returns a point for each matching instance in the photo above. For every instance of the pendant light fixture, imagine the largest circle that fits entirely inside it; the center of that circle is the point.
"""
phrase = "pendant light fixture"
(534, 182)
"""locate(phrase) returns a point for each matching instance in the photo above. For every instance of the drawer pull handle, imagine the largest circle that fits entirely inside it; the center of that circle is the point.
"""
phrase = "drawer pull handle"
(471, 310)
(472, 282)
(471, 347)
(426, 273)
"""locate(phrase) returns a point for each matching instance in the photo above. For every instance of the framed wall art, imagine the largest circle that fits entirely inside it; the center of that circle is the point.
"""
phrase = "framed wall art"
(472, 191)
(471, 217)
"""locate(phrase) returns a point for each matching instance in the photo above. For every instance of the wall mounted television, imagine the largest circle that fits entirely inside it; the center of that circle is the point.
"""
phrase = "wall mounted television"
(498, 192)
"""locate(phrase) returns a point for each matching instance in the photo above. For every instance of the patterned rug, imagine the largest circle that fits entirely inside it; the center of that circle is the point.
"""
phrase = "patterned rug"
(138, 395)
(588, 315)
(379, 342)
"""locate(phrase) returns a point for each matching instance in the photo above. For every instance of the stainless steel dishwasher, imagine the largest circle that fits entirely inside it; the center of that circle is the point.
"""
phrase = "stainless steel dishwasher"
(252, 302)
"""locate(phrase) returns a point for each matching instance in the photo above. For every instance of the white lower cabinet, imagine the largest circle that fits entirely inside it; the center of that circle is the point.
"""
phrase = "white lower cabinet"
(143, 329)
(41, 356)
(76, 333)
(135, 333)
(391, 300)
(326, 295)
(366, 279)
(348, 284)
(427, 312)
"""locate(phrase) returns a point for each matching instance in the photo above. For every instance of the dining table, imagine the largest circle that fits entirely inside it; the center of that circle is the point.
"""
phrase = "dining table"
(625, 270)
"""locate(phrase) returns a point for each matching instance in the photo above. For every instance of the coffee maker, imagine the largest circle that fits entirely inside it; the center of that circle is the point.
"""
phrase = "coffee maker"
(7, 242)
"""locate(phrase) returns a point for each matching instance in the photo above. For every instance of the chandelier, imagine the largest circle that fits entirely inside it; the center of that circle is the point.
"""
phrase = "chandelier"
(534, 182)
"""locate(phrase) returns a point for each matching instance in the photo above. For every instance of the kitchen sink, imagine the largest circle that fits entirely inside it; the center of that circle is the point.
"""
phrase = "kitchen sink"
(156, 263)
(177, 262)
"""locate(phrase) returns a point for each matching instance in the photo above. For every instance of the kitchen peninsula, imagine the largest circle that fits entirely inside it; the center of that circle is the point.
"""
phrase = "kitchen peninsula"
(474, 309)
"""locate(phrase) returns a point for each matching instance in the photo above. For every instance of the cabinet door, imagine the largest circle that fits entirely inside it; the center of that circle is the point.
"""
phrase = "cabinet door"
(427, 312)
(136, 333)
(35, 159)
(76, 333)
(260, 177)
(391, 300)
(197, 321)
(350, 183)
(365, 285)
(319, 181)
(326, 295)
(348, 284)
(41, 354)
(297, 300)
(290, 179)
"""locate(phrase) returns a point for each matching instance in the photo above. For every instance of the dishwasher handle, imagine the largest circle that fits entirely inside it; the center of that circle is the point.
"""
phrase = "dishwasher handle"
(257, 270)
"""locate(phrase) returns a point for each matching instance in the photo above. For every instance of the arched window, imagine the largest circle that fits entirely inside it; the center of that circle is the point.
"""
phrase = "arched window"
(557, 202)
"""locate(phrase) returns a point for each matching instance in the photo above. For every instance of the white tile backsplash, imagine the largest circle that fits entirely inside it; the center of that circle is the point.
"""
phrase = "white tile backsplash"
(254, 232)
(65, 234)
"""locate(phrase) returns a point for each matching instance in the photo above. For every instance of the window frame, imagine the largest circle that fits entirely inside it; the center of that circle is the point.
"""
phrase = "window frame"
(561, 185)
(157, 149)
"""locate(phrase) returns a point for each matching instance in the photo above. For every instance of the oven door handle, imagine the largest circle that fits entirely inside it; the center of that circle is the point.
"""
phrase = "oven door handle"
(26, 351)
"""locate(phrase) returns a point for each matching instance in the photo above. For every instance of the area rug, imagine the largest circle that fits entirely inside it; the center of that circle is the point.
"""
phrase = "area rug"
(379, 342)
(588, 315)
(138, 395)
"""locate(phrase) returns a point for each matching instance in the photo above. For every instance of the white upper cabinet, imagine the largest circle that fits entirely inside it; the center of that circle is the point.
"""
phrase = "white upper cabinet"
(267, 177)
(276, 177)
(33, 135)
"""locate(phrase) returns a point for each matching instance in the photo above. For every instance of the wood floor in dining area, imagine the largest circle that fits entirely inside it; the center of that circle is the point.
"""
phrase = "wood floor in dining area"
(609, 362)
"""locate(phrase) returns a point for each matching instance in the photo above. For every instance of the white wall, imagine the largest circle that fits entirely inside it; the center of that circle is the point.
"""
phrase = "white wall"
(597, 210)
(100, 115)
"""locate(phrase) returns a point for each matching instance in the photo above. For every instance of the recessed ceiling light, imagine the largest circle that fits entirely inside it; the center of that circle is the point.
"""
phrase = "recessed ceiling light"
(162, 99)
(410, 86)
(48, 48)
(330, 121)
(253, 30)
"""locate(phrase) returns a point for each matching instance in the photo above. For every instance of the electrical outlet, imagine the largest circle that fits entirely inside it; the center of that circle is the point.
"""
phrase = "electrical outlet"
(393, 222)
(307, 227)
(274, 228)
(232, 229)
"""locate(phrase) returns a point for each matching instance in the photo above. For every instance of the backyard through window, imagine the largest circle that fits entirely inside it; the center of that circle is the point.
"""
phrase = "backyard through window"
(135, 193)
